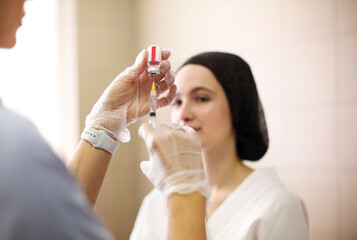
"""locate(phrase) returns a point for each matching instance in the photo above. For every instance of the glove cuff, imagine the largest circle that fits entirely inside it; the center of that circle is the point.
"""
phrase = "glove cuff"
(124, 135)
(201, 186)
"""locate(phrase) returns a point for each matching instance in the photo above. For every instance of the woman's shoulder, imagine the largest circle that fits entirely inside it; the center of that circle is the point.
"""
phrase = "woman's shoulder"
(286, 211)
(278, 207)
(10, 120)
(284, 199)
(267, 183)
(279, 201)
(16, 130)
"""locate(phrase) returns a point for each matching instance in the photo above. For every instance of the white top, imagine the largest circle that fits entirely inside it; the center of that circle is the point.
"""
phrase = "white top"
(260, 208)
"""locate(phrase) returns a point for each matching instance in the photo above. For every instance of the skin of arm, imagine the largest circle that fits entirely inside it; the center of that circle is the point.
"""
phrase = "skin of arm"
(90, 164)
(187, 216)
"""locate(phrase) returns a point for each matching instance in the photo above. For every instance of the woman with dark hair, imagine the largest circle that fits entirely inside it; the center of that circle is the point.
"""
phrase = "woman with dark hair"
(217, 97)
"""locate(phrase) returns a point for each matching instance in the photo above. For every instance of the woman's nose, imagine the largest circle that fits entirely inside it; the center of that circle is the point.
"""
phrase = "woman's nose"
(186, 114)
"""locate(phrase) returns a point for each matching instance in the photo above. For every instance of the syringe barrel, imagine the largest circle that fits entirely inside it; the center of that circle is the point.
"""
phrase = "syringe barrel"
(153, 103)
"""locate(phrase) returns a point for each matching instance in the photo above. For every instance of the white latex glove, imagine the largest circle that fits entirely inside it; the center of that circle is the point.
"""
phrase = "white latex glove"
(126, 99)
(175, 164)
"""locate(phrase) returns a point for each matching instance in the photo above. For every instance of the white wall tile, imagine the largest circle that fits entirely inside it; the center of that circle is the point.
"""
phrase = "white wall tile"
(348, 206)
(309, 72)
(347, 14)
(347, 137)
(311, 138)
(91, 11)
(318, 192)
(302, 19)
(346, 238)
(266, 69)
(260, 21)
(222, 32)
(347, 79)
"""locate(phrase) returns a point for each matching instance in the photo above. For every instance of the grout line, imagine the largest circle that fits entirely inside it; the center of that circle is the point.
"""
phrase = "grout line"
(337, 120)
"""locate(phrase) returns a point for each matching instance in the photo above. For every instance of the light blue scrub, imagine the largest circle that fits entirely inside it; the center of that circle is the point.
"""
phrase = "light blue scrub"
(39, 199)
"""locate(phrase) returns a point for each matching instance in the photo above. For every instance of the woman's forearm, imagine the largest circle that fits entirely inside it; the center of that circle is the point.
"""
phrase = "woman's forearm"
(89, 165)
(187, 216)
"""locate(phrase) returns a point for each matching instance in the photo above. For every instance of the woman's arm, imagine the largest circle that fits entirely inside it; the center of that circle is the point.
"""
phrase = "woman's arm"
(90, 164)
(187, 216)
(122, 103)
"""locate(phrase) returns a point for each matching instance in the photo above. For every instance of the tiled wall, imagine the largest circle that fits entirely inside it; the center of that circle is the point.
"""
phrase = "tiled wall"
(303, 54)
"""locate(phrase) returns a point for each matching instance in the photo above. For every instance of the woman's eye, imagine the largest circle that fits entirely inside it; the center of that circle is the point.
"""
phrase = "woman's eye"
(202, 99)
(177, 102)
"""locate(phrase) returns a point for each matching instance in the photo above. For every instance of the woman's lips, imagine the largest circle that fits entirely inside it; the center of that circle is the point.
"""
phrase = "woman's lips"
(196, 128)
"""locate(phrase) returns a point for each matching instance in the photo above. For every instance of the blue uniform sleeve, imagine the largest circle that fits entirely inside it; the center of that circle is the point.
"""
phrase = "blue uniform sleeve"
(39, 199)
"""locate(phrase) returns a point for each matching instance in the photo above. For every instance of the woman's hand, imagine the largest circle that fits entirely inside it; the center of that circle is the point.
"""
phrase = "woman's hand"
(175, 164)
(126, 99)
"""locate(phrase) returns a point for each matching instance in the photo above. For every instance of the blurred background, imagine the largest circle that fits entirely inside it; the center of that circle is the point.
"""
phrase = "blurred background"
(303, 54)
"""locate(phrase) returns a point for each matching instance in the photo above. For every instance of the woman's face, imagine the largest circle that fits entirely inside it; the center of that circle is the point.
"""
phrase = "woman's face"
(201, 103)
(11, 13)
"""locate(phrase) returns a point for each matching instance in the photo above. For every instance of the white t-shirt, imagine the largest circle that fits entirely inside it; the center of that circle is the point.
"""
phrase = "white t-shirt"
(260, 208)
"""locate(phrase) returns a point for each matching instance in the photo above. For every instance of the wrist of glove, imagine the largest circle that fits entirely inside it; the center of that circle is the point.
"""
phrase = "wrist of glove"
(182, 182)
(175, 164)
(111, 121)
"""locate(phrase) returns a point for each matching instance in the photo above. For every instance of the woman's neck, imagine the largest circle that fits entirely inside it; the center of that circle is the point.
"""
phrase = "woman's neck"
(223, 167)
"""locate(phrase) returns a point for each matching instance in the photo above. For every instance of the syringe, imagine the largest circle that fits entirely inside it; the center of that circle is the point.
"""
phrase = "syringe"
(153, 98)
(154, 59)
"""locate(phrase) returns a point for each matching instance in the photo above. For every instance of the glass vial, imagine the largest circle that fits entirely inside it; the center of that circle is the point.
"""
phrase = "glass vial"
(154, 59)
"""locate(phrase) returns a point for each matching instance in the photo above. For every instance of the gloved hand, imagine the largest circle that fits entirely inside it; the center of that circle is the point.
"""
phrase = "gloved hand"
(175, 164)
(126, 99)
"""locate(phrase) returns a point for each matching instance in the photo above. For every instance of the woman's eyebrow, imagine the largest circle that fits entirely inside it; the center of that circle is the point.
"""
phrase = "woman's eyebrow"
(201, 88)
(196, 89)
